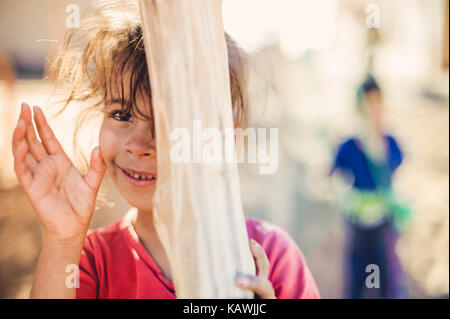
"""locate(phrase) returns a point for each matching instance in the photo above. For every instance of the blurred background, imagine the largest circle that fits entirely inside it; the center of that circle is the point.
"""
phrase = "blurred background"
(306, 59)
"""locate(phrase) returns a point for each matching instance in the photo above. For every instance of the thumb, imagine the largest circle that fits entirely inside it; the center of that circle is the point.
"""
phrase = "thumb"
(96, 170)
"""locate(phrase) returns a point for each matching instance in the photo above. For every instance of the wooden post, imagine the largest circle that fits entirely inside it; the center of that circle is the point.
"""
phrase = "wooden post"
(197, 206)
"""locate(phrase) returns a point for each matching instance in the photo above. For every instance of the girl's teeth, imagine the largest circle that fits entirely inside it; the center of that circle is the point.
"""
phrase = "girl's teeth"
(140, 176)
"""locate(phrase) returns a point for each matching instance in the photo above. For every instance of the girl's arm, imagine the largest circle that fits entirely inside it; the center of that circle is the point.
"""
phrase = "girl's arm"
(56, 274)
(62, 199)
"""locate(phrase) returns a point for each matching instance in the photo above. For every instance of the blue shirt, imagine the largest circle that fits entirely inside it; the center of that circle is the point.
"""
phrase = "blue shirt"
(350, 157)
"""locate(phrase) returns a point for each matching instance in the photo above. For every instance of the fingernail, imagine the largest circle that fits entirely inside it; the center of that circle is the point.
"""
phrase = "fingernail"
(21, 121)
(254, 243)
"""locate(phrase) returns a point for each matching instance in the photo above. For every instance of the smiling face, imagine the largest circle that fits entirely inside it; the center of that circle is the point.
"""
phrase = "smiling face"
(121, 79)
(128, 145)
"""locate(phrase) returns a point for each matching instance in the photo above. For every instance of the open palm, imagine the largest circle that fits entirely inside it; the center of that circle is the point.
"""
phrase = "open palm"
(62, 198)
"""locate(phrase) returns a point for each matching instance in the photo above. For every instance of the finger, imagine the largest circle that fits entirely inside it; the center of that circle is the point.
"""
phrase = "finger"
(259, 285)
(20, 130)
(21, 167)
(36, 148)
(96, 170)
(261, 260)
(46, 134)
(22, 164)
(25, 113)
(22, 156)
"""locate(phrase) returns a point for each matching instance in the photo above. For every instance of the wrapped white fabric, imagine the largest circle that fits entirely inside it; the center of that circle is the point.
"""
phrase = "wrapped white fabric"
(197, 206)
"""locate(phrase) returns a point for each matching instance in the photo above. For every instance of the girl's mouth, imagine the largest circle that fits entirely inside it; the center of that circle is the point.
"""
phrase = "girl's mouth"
(139, 180)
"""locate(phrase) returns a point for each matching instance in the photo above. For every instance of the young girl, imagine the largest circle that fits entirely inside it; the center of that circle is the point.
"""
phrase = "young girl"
(125, 259)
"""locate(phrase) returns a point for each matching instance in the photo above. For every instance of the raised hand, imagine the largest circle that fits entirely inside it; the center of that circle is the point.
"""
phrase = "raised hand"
(63, 199)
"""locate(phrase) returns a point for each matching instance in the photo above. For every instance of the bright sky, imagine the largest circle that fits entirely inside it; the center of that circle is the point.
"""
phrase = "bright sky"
(298, 24)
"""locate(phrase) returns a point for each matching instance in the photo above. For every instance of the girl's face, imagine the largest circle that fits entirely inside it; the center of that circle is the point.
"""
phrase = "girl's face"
(129, 151)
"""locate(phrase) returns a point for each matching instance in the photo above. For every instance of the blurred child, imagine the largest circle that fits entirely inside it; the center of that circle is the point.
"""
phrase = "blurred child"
(125, 259)
(373, 215)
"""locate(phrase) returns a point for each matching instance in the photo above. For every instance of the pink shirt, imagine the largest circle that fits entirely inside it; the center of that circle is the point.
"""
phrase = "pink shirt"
(115, 264)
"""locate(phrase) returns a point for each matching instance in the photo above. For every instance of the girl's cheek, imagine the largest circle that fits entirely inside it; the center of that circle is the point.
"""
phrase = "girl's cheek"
(109, 143)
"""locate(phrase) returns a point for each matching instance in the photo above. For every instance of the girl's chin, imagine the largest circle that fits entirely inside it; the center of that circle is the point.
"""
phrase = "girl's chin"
(141, 198)
(142, 204)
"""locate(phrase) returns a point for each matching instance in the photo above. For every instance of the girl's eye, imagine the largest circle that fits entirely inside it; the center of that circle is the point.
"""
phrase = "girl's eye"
(120, 115)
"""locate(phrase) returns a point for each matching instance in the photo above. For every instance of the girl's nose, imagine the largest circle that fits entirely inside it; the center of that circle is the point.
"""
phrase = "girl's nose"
(141, 143)
(138, 151)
